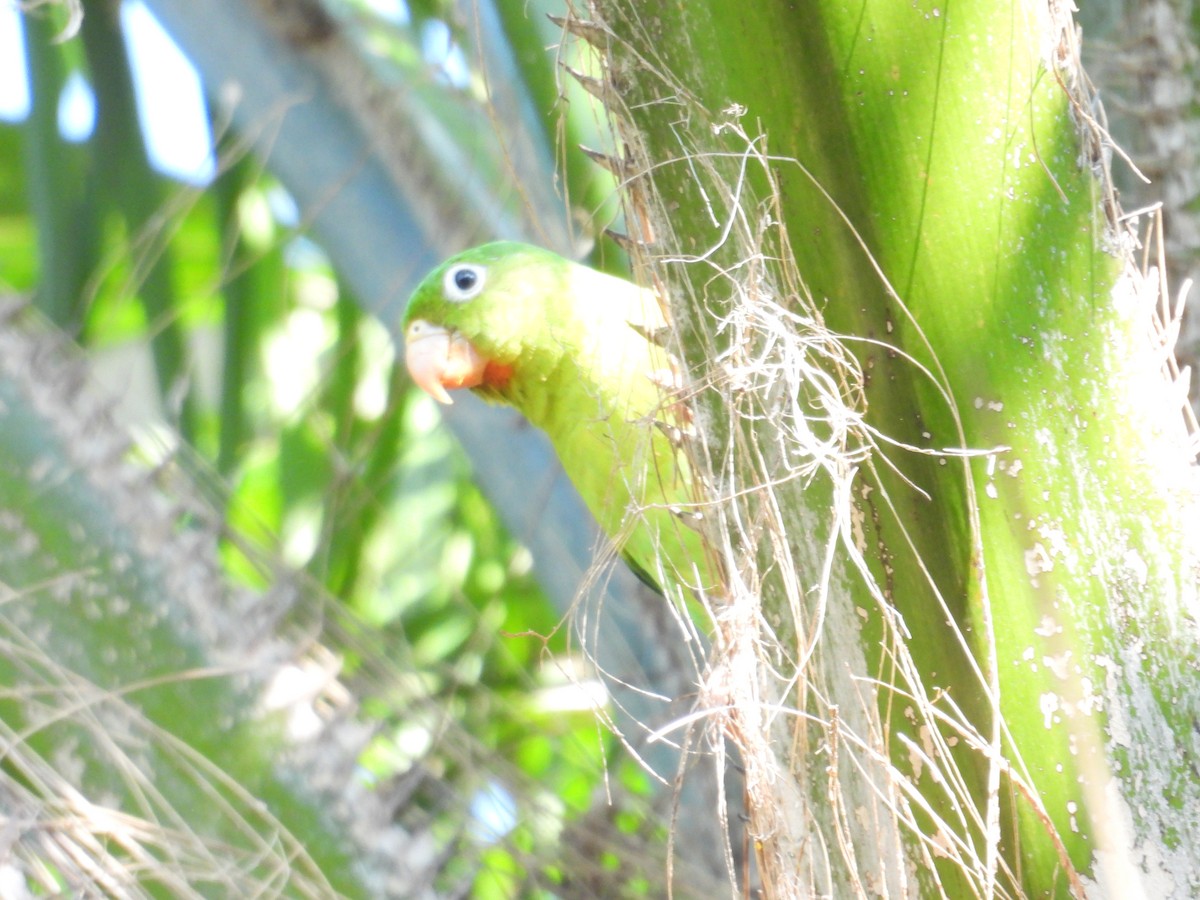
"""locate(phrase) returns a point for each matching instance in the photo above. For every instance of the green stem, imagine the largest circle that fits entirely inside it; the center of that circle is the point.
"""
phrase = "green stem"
(62, 204)
(131, 187)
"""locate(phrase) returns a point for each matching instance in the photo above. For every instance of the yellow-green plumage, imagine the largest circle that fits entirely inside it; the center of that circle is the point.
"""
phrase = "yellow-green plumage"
(567, 346)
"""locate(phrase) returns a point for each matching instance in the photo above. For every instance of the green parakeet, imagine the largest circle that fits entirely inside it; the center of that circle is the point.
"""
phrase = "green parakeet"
(572, 349)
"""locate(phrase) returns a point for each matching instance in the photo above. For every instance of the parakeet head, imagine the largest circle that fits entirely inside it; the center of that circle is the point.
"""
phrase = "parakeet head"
(480, 316)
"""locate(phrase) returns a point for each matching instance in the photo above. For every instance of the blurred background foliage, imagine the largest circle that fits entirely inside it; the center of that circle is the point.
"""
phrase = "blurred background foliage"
(323, 444)
(234, 352)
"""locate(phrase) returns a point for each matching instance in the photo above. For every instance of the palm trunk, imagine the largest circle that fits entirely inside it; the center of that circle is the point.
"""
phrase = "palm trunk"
(951, 465)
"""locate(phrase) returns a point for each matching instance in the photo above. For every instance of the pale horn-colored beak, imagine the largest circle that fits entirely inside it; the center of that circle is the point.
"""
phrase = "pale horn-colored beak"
(438, 358)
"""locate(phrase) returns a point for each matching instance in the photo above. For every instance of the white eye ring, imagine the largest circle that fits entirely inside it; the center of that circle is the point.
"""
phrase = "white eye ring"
(463, 282)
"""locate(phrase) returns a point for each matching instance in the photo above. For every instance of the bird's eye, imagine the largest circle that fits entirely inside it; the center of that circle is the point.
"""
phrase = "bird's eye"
(463, 282)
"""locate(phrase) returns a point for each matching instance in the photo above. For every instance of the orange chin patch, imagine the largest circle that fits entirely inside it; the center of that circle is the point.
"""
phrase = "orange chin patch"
(496, 375)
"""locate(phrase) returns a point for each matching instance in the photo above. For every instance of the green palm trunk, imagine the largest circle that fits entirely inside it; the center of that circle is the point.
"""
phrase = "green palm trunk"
(953, 426)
